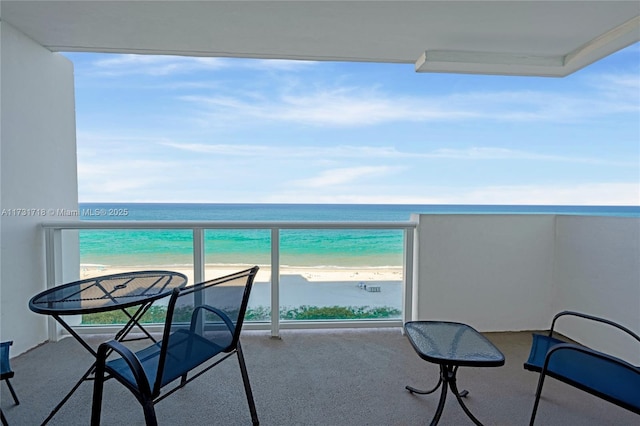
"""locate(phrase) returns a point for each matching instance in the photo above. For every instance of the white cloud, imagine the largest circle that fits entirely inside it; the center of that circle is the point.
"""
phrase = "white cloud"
(622, 194)
(620, 83)
(225, 149)
(340, 107)
(364, 107)
(304, 197)
(113, 179)
(617, 193)
(384, 152)
(119, 65)
(163, 65)
(341, 176)
(492, 153)
(325, 103)
(277, 64)
(281, 151)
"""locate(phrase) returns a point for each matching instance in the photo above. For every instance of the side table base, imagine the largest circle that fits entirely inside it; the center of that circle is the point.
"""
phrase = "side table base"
(447, 380)
(422, 392)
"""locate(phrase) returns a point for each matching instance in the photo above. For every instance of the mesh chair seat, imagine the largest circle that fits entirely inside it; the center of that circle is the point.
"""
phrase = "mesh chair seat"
(185, 351)
(607, 377)
(598, 373)
(539, 348)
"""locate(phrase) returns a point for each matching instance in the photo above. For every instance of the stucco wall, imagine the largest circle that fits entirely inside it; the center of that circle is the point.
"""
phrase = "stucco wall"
(38, 171)
(597, 271)
(514, 272)
(491, 271)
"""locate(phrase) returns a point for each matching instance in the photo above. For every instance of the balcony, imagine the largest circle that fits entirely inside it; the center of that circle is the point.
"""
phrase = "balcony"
(502, 274)
(499, 273)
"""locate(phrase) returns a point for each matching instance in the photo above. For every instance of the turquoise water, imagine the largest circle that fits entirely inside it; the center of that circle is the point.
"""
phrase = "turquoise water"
(376, 248)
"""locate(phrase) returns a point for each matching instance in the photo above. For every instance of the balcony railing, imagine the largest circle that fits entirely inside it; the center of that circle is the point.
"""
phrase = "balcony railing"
(55, 250)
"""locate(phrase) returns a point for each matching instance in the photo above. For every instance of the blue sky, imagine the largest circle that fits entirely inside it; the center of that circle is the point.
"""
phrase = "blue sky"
(176, 129)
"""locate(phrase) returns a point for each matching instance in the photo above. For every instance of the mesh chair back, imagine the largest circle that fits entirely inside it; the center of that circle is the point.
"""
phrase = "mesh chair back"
(203, 320)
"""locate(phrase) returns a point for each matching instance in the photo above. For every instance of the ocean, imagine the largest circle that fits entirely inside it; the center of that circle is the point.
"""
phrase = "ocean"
(317, 248)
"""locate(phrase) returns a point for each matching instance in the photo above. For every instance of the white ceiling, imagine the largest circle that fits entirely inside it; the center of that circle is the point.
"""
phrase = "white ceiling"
(496, 37)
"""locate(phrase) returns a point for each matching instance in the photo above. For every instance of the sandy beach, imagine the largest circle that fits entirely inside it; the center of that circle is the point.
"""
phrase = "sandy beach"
(314, 286)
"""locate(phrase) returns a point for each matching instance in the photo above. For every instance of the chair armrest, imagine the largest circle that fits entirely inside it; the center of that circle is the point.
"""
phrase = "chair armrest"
(130, 359)
(592, 318)
(216, 311)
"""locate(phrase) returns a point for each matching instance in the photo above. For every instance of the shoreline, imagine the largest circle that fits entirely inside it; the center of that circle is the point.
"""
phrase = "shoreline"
(299, 285)
(309, 273)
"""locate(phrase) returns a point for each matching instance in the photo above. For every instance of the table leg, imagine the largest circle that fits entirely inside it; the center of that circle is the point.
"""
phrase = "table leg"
(442, 381)
(134, 322)
(66, 398)
(443, 396)
(75, 335)
(422, 392)
(459, 395)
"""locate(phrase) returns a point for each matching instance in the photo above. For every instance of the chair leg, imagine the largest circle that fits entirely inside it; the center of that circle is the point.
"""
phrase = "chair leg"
(3, 418)
(98, 385)
(149, 413)
(247, 386)
(537, 401)
(13, 392)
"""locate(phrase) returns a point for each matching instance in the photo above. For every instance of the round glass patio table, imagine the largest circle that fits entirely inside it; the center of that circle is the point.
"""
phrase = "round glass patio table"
(135, 290)
(107, 293)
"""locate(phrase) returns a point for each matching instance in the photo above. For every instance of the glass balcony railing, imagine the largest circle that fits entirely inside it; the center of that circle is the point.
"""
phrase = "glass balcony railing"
(313, 274)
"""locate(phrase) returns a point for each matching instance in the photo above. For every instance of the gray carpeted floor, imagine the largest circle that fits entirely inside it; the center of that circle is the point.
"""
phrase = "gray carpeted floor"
(330, 377)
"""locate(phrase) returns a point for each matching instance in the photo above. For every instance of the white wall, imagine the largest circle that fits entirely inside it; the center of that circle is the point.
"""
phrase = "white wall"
(515, 272)
(597, 272)
(38, 171)
(493, 272)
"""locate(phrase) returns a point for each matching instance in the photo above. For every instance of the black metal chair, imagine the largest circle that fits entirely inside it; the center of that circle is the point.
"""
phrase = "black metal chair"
(6, 373)
(595, 372)
(203, 321)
